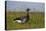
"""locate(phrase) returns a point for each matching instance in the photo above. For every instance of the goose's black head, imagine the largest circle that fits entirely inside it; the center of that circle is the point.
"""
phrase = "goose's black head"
(28, 9)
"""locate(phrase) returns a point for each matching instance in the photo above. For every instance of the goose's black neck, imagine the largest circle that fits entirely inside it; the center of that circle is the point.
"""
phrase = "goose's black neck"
(28, 12)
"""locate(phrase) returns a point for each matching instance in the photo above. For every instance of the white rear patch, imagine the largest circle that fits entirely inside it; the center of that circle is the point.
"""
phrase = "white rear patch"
(19, 21)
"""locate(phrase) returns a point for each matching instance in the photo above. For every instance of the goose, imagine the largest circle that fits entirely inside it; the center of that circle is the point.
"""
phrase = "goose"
(23, 19)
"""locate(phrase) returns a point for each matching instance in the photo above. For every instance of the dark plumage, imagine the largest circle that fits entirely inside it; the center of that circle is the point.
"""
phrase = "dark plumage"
(23, 19)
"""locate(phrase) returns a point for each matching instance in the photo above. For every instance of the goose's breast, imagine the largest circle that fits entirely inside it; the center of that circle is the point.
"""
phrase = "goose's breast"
(24, 20)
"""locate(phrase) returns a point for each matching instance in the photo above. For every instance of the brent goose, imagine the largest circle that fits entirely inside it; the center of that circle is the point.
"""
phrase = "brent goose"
(23, 19)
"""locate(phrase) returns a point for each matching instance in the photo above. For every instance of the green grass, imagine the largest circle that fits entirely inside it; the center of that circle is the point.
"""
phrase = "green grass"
(36, 20)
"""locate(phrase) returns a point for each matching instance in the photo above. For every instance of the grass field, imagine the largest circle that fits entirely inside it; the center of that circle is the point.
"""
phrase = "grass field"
(36, 20)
